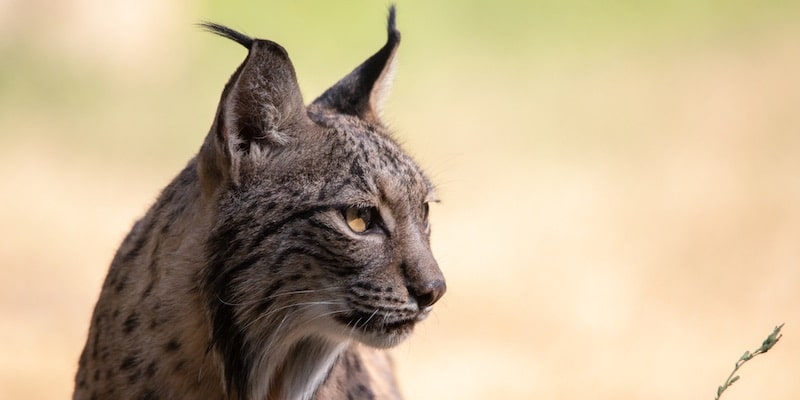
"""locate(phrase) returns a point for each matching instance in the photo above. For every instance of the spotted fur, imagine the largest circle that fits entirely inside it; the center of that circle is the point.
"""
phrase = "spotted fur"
(244, 280)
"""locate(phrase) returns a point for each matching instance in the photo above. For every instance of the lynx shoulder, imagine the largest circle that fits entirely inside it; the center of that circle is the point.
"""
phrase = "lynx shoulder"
(291, 251)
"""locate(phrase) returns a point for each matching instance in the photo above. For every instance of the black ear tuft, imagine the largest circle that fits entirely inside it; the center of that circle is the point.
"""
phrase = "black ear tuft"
(226, 32)
(361, 92)
(394, 34)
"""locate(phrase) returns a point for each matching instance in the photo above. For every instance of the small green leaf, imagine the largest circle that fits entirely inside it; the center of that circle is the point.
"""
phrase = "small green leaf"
(746, 356)
(771, 339)
(734, 379)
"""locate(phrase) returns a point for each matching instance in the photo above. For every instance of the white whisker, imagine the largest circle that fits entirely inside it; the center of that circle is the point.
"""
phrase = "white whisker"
(272, 312)
(364, 326)
(275, 333)
(276, 295)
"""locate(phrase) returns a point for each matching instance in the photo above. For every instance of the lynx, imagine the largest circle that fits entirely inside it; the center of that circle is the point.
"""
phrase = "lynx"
(291, 251)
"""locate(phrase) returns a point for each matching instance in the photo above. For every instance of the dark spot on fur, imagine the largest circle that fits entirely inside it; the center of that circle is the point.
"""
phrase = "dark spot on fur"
(148, 289)
(180, 365)
(128, 363)
(131, 323)
(151, 370)
(139, 244)
(96, 375)
(172, 346)
(121, 284)
(149, 394)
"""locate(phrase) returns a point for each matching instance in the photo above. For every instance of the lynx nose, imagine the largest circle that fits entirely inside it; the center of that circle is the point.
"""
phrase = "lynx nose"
(429, 293)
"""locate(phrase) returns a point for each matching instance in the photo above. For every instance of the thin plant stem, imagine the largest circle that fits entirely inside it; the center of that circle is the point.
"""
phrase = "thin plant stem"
(747, 356)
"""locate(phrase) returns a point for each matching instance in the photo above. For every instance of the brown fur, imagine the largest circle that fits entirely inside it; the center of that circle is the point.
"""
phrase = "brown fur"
(244, 281)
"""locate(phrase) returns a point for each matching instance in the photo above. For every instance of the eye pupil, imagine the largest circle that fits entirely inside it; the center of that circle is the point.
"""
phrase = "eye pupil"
(359, 219)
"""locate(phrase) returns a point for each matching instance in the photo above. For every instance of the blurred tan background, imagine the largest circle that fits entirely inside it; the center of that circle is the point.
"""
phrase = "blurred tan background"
(621, 180)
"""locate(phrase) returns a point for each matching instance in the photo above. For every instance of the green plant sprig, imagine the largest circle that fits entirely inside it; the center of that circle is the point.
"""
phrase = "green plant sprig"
(747, 356)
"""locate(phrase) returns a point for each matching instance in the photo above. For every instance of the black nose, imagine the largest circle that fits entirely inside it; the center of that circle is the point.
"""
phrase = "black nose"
(429, 293)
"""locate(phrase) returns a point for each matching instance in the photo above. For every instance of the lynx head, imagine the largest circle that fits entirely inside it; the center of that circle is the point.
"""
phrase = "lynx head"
(321, 220)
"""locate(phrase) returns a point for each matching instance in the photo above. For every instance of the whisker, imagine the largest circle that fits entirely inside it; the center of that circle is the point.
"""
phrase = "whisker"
(272, 312)
(329, 313)
(354, 328)
(275, 334)
(301, 291)
(364, 326)
(276, 295)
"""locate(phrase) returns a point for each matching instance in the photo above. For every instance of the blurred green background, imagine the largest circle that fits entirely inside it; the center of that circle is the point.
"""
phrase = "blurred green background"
(621, 179)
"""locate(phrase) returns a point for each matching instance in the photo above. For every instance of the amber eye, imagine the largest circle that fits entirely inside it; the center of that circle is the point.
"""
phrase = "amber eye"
(359, 219)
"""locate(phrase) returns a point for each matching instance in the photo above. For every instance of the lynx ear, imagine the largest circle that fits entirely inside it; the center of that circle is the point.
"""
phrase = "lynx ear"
(260, 108)
(362, 92)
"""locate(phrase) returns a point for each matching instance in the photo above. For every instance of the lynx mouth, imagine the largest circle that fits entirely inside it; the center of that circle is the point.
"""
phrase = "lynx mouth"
(375, 322)
(378, 330)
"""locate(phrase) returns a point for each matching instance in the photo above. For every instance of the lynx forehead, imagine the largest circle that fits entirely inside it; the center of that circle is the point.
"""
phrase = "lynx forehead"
(283, 260)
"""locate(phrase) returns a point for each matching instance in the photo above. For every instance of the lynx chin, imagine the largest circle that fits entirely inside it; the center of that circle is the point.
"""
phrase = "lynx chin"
(283, 260)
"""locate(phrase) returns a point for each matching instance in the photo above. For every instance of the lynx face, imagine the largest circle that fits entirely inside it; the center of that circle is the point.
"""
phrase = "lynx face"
(346, 248)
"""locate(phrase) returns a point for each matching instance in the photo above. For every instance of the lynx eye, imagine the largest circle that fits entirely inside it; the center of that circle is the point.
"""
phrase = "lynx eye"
(360, 219)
